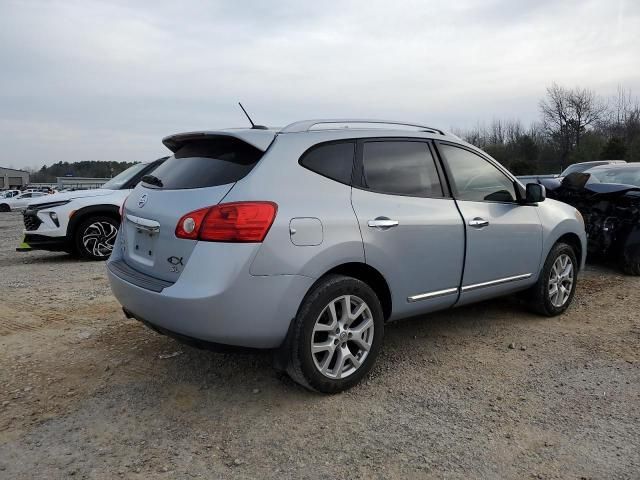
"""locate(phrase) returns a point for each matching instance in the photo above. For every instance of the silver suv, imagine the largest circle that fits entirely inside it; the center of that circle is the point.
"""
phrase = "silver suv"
(309, 238)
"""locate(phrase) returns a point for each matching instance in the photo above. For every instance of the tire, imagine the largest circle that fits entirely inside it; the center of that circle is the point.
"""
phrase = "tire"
(349, 346)
(541, 299)
(4, 207)
(630, 262)
(94, 238)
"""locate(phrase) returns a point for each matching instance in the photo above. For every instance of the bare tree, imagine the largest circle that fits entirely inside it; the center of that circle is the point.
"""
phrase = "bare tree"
(567, 114)
(585, 109)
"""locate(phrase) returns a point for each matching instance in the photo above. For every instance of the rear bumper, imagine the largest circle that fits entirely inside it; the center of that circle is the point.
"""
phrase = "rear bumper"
(216, 300)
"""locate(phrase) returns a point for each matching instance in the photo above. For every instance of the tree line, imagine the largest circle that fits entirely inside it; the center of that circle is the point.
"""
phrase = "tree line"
(575, 125)
(88, 168)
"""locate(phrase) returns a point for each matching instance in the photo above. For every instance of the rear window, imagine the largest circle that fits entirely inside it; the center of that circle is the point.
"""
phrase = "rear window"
(332, 160)
(206, 163)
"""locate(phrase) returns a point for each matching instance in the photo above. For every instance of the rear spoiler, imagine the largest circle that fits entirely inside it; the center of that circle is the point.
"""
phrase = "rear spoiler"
(260, 139)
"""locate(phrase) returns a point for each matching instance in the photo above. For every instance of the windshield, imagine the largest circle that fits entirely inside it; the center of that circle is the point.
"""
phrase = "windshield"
(117, 182)
(626, 176)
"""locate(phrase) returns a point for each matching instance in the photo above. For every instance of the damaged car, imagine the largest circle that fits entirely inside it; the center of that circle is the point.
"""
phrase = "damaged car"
(608, 197)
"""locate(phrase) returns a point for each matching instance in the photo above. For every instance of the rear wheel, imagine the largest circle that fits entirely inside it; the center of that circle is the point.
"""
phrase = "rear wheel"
(336, 335)
(95, 237)
(553, 292)
(4, 207)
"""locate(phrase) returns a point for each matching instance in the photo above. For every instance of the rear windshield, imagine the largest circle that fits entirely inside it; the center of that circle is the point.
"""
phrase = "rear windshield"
(205, 163)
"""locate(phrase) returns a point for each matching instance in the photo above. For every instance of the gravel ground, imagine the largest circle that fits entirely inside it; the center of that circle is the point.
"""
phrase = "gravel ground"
(487, 391)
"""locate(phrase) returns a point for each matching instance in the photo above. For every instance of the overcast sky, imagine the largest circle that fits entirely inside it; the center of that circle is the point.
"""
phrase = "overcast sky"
(106, 80)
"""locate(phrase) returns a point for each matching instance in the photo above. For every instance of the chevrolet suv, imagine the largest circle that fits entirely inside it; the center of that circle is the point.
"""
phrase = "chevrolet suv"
(84, 222)
(309, 238)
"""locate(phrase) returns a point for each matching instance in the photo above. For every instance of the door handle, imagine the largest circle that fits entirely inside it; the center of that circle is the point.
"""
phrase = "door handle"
(478, 222)
(383, 223)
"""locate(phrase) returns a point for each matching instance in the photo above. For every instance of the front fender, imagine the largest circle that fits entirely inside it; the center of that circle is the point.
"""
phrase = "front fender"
(559, 219)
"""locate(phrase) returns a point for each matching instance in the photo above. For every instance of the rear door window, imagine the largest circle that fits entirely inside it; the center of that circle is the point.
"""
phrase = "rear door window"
(400, 168)
(206, 163)
(332, 160)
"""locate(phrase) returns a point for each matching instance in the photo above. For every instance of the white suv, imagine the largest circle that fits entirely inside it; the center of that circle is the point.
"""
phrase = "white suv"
(83, 222)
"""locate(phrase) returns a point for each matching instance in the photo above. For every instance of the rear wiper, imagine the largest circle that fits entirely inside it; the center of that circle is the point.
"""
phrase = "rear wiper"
(152, 180)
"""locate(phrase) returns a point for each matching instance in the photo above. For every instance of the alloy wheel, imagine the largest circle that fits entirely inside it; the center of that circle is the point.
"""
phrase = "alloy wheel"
(561, 280)
(342, 336)
(99, 237)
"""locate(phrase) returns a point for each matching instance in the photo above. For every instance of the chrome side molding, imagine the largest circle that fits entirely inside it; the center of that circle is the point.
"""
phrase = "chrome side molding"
(438, 293)
(493, 283)
(467, 288)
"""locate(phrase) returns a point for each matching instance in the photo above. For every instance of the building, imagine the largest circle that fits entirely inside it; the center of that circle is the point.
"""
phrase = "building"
(12, 178)
(84, 183)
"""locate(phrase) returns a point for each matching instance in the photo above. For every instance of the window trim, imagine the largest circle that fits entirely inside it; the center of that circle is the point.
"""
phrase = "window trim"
(486, 158)
(358, 177)
(331, 142)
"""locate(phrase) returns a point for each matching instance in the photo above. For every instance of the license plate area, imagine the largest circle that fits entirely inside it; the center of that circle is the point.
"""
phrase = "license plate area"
(143, 239)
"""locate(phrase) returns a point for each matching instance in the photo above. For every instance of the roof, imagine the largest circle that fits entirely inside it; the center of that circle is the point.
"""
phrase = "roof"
(261, 138)
(616, 166)
(14, 170)
(355, 123)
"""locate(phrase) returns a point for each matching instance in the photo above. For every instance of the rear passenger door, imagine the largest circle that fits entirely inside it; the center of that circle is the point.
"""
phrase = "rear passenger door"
(504, 237)
(412, 231)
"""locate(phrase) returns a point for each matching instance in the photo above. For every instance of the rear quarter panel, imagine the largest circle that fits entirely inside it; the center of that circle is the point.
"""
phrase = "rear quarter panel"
(300, 193)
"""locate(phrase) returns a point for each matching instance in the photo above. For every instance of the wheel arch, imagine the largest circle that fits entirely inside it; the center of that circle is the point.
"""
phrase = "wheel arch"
(91, 211)
(573, 240)
(370, 276)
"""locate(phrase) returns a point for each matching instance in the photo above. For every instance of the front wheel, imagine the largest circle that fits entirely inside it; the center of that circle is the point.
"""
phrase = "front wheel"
(95, 238)
(336, 336)
(553, 292)
(4, 208)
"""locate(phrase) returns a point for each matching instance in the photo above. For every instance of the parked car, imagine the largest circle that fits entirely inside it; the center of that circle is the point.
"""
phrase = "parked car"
(18, 202)
(608, 197)
(84, 222)
(309, 238)
(9, 193)
(584, 166)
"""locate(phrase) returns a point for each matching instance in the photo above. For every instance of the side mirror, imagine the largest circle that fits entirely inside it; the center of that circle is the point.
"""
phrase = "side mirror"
(535, 193)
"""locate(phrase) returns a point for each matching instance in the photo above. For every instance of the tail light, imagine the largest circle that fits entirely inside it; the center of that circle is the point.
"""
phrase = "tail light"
(228, 222)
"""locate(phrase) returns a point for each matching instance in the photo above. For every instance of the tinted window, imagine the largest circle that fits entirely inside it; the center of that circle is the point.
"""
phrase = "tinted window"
(333, 160)
(476, 179)
(207, 163)
(402, 168)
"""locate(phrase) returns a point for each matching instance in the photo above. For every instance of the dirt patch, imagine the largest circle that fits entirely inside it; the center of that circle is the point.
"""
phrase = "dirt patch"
(89, 394)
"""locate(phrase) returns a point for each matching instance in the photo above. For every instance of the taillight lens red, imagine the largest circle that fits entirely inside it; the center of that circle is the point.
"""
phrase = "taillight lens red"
(229, 222)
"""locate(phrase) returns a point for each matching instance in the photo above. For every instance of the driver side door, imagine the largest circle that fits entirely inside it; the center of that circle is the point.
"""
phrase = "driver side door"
(504, 237)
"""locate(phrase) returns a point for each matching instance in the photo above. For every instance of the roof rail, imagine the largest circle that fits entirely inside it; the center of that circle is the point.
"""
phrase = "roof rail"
(307, 125)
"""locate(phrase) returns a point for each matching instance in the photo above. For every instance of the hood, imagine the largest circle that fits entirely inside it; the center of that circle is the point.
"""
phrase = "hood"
(60, 197)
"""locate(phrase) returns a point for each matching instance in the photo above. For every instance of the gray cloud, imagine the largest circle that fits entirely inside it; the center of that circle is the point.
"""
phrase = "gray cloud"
(107, 80)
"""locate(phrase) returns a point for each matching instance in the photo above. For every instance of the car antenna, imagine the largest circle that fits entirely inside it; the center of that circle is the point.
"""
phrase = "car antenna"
(253, 125)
